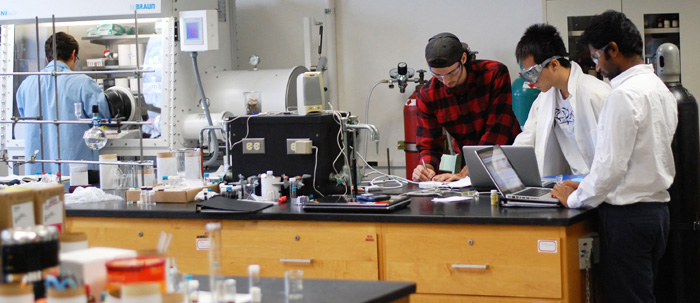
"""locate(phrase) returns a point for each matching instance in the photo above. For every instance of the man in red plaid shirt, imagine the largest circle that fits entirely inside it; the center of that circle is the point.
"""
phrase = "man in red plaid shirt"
(471, 99)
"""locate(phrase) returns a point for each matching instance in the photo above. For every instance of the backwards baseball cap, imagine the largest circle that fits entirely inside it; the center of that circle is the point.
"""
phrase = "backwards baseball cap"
(443, 50)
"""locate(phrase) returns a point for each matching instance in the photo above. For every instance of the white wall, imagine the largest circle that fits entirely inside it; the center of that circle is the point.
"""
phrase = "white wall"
(373, 36)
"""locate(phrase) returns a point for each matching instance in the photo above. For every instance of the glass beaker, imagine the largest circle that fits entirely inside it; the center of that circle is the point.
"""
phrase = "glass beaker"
(127, 176)
(253, 102)
(189, 165)
(215, 266)
(294, 285)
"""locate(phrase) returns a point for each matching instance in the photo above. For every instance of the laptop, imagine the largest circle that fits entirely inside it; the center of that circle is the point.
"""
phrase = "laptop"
(509, 184)
(523, 160)
(340, 204)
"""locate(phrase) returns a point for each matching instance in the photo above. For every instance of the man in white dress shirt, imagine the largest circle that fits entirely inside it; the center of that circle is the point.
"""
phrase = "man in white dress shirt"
(563, 119)
(633, 165)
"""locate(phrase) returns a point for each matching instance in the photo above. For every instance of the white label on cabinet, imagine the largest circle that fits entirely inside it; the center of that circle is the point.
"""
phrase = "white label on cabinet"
(547, 246)
(202, 244)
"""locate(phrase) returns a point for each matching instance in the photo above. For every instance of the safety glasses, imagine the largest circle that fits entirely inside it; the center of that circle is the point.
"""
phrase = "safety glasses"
(452, 73)
(532, 73)
(596, 55)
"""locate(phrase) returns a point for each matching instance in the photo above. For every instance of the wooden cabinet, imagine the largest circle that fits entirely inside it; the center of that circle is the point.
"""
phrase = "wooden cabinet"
(484, 263)
(475, 260)
(451, 263)
(329, 250)
(143, 234)
(422, 298)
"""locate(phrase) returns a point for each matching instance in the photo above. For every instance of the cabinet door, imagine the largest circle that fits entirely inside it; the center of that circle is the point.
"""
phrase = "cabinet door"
(143, 234)
(558, 12)
(329, 250)
(689, 25)
(475, 260)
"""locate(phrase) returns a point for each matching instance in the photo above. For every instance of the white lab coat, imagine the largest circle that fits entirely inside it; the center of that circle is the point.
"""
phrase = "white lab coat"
(588, 95)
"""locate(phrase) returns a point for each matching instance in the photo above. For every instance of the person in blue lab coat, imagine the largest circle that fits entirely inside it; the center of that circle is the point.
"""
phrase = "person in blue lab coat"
(75, 88)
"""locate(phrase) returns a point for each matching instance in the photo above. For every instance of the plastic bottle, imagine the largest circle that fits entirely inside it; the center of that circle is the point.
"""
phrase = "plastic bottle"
(193, 289)
(151, 195)
(494, 197)
(292, 189)
(143, 196)
(166, 182)
(253, 277)
(255, 295)
(229, 291)
(205, 180)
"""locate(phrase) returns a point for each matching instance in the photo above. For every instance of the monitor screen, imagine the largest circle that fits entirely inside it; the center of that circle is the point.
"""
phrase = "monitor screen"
(500, 169)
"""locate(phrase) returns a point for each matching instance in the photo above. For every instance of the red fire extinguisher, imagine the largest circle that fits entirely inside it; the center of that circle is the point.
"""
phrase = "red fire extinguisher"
(410, 127)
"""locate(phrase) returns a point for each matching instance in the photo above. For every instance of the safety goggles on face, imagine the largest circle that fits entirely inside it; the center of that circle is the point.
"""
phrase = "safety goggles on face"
(532, 73)
(596, 55)
(452, 73)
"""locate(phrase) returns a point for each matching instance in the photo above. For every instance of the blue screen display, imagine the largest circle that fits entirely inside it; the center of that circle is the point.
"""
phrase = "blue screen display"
(192, 30)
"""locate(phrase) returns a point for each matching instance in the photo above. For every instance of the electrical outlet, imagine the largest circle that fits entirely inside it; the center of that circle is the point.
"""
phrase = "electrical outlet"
(253, 145)
(588, 250)
(300, 146)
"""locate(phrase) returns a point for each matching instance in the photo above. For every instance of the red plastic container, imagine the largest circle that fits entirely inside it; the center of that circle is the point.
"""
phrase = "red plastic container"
(134, 270)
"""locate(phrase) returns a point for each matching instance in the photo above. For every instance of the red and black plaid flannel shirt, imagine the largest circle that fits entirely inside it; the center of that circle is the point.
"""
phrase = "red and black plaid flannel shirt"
(479, 112)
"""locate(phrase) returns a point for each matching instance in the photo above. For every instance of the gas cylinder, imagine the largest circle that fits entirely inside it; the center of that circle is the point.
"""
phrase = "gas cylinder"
(410, 126)
(524, 94)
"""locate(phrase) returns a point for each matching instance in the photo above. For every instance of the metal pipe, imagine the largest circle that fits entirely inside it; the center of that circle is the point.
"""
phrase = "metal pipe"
(227, 160)
(87, 72)
(206, 128)
(138, 83)
(41, 108)
(147, 163)
(205, 106)
(24, 121)
(373, 133)
(55, 89)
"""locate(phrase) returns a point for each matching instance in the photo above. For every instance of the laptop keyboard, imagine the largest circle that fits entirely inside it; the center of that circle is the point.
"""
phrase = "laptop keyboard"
(534, 192)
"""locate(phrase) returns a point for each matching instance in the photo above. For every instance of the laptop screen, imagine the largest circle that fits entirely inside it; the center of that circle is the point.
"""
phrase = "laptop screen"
(500, 169)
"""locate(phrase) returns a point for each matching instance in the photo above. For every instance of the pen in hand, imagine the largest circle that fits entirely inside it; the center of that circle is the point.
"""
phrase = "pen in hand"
(425, 167)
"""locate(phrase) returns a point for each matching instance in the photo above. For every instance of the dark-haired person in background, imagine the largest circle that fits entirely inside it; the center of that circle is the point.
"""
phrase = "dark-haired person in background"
(472, 100)
(75, 88)
(633, 165)
(562, 121)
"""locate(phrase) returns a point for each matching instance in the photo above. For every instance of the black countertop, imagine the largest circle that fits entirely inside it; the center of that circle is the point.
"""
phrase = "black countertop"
(421, 210)
(336, 291)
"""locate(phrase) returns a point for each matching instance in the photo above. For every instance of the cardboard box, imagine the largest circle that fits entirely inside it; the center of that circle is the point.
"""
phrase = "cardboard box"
(16, 208)
(88, 265)
(171, 196)
(50, 206)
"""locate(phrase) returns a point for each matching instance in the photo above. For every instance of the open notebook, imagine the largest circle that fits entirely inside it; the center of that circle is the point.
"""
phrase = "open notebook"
(509, 184)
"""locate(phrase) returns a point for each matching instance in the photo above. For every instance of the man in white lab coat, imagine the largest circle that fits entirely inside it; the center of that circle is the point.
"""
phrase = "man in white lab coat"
(562, 122)
(633, 165)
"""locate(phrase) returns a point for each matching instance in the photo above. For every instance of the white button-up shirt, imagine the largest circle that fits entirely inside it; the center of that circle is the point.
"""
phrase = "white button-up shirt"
(633, 159)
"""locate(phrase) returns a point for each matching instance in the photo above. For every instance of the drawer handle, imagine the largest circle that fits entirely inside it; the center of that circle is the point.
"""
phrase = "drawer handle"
(307, 261)
(470, 266)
